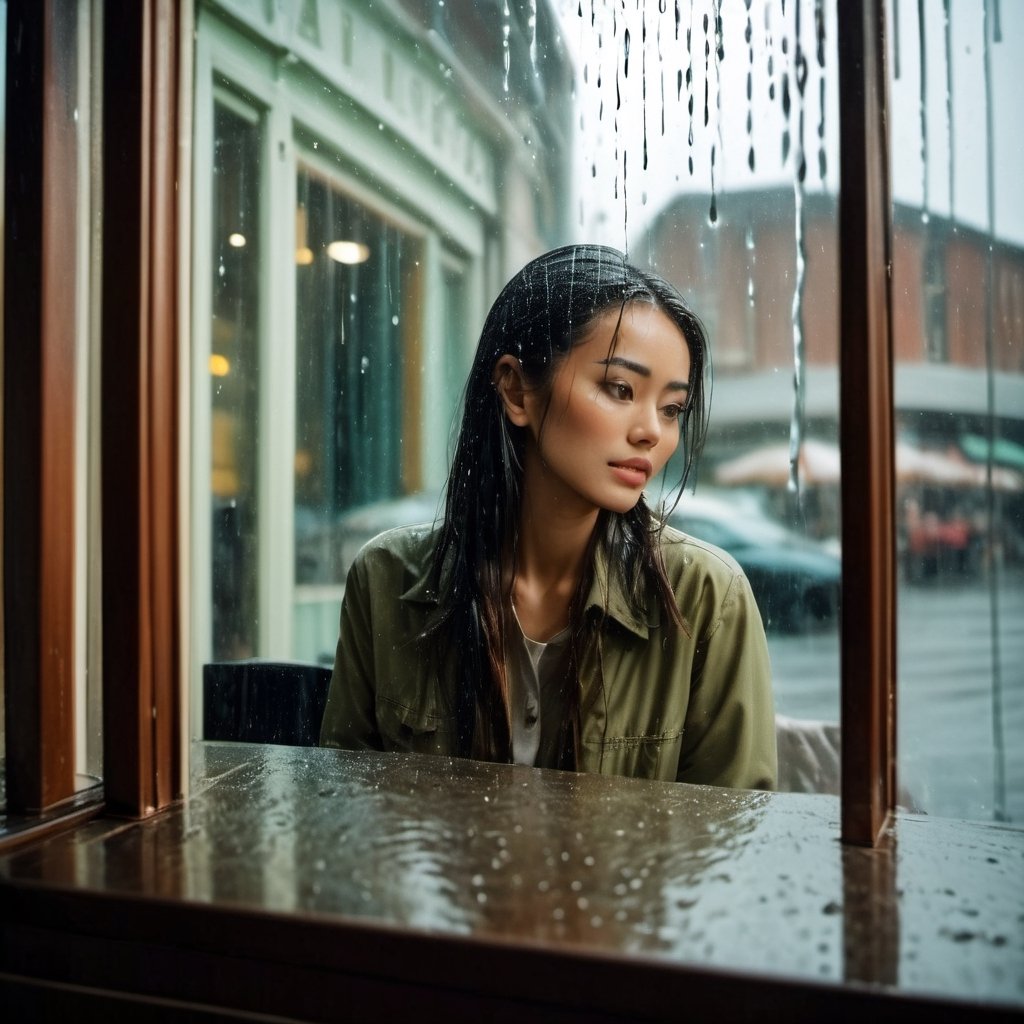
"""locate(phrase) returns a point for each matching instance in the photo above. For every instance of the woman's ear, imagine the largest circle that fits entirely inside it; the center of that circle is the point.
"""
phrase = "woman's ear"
(511, 387)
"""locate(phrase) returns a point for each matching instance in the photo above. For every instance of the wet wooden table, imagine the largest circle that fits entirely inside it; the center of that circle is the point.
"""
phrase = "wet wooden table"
(298, 881)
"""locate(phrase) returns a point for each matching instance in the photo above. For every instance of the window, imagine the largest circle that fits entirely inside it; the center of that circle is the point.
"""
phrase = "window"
(357, 331)
(476, 255)
(959, 342)
(374, 165)
(425, 174)
(415, 172)
(233, 377)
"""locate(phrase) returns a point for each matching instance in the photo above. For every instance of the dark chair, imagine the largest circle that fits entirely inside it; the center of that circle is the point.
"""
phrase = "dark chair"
(258, 701)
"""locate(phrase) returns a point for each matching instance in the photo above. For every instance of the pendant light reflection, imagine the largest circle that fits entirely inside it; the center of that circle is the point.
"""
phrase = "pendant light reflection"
(348, 253)
(303, 253)
(219, 365)
(342, 251)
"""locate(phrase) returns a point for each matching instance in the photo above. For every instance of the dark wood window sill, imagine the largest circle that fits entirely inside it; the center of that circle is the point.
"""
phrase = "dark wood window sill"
(86, 803)
(301, 882)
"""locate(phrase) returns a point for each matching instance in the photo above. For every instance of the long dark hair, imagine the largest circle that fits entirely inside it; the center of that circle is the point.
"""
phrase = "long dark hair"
(540, 314)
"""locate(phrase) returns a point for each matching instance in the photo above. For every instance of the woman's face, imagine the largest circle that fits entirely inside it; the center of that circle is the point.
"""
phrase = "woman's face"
(610, 419)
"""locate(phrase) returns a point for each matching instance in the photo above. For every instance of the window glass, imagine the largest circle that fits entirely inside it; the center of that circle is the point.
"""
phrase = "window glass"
(356, 344)
(88, 120)
(76, 42)
(234, 382)
(3, 194)
(400, 163)
(958, 321)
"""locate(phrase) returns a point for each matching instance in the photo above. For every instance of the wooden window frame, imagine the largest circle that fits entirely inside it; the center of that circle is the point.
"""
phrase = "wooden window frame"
(868, 622)
(141, 604)
(141, 419)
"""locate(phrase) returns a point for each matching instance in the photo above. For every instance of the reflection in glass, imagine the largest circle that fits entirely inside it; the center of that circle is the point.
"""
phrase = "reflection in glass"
(234, 368)
(357, 403)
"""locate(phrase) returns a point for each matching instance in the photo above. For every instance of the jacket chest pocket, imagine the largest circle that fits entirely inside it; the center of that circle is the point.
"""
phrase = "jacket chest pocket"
(639, 757)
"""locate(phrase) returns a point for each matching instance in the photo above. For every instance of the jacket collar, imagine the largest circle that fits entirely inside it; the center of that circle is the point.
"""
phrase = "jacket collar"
(608, 595)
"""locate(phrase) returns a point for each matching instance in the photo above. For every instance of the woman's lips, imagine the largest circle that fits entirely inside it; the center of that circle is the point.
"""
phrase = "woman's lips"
(633, 472)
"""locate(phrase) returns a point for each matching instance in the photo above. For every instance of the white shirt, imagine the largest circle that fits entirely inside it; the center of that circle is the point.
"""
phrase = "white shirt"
(536, 678)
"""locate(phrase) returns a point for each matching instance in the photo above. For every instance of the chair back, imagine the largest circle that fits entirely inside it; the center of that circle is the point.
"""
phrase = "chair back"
(256, 701)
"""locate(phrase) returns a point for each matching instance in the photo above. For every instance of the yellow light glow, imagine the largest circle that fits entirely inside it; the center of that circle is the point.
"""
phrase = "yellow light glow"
(236, 240)
(304, 256)
(348, 252)
(219, 365)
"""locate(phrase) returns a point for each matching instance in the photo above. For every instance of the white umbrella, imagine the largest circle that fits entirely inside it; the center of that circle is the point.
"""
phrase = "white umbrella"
(950, 469)
(818, 463)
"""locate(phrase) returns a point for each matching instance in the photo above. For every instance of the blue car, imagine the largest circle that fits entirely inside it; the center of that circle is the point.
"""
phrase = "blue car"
(795, 581)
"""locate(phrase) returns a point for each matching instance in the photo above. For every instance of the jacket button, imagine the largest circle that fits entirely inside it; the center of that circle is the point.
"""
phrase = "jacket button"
(531, 715)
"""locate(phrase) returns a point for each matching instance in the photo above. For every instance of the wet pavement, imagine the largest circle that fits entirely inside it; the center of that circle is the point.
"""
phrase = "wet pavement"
(947, 754)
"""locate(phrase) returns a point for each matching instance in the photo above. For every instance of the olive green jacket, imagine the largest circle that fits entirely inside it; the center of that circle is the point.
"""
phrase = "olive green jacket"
(656, 702)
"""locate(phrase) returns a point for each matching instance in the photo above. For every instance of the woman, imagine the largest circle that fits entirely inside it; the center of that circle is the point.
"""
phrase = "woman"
(550, 618)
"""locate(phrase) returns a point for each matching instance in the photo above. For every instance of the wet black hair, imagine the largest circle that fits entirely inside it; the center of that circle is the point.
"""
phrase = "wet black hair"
(540, 314)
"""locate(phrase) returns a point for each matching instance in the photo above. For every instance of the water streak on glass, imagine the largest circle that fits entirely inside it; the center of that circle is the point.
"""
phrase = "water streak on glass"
(923, 101)
(749, 37)
(661, 76)
(643, 77)
(717, 145)
(506, 31)
(532, 26)
(751, 258)
(707, 71)
(796, 429)
(819, 31)
(993, 498)
(786, 100)
(689, 85)
(951, 162)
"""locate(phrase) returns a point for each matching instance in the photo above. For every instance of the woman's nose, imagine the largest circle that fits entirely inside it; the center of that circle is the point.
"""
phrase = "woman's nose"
(646, 428)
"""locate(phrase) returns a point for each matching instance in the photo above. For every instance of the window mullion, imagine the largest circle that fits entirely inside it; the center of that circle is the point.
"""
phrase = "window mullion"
(868, 638)
(141, 621)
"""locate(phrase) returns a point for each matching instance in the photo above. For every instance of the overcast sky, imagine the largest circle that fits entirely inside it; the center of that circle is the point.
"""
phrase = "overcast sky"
(618, 107)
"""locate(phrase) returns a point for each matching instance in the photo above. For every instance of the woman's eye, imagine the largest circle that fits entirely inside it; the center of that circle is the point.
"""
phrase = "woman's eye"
(619, 389)
(672, 412)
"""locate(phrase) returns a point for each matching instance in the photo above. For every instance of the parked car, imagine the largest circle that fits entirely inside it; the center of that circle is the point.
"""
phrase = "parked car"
(795, 580)
(328, 551)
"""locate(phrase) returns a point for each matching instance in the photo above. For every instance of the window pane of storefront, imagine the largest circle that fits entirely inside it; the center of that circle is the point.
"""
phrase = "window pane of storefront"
(359, 395)
(415, 156)
(958, 320)
(355, 341)
(235, 382)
